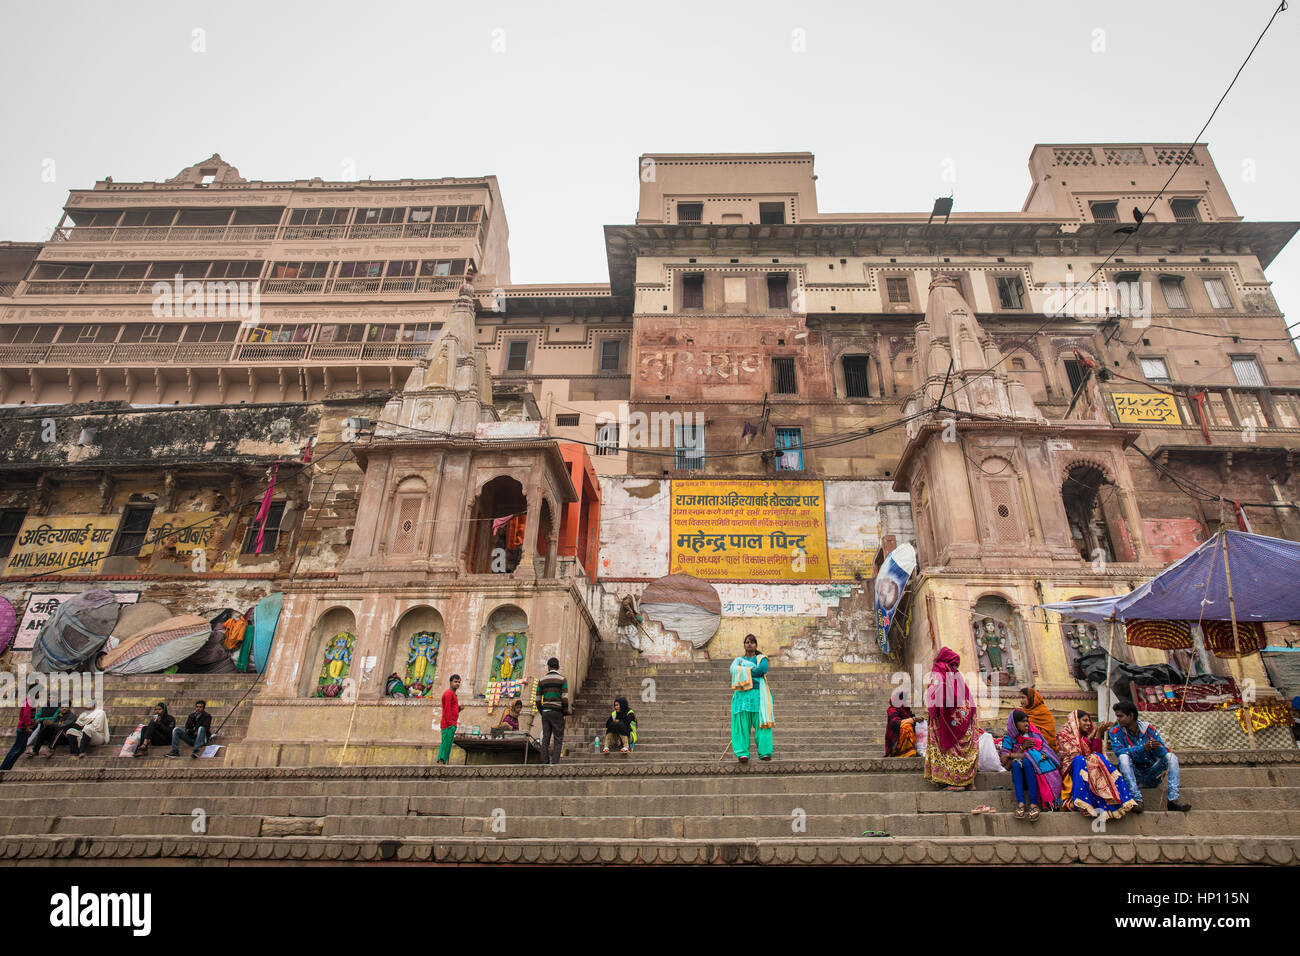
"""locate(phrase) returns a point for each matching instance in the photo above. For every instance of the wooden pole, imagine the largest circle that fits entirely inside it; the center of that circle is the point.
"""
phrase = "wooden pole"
(1236, 640)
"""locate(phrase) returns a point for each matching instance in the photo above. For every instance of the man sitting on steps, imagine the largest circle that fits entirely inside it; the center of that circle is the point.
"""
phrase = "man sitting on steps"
(198, 728)
(1143, 758)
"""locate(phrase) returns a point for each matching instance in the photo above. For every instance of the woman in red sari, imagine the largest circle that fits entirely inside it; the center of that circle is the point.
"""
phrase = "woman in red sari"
(953, 751)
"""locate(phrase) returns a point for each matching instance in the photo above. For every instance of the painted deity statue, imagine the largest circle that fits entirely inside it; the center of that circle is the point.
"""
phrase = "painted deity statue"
(992, 643)
(338, 659)
(509, 658)
(1082, 637)
(421, 662)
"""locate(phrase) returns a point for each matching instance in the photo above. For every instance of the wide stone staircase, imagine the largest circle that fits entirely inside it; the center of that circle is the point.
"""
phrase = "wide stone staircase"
(826, 797)
(822, 711)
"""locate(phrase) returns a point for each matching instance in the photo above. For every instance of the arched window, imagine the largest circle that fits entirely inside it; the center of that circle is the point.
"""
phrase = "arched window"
(496, 527)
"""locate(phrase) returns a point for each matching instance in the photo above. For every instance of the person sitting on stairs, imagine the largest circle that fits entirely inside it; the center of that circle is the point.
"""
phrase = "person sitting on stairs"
(620, 729)
(158, 730)
(51, 724)
(91, 727)
(1143, 757)
(198, 728)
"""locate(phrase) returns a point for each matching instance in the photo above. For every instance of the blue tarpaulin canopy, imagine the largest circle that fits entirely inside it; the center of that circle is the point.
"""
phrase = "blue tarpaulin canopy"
(1265, 575)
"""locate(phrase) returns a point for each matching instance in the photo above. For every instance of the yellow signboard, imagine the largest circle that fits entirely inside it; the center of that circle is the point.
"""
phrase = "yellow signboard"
(845, 563)
(749, 530)
(1146, 408)
(73, 543)
(187, 531)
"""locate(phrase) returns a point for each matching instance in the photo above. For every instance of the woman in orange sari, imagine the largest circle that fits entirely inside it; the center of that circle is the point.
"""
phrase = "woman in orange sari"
(1032, 703)
(1091, 784)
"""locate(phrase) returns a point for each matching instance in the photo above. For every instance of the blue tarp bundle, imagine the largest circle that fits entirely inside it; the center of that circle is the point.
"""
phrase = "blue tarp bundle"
(1265, 575)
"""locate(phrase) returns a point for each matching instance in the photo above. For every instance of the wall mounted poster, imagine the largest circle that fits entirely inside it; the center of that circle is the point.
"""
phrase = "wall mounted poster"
(733, 530)
(890, 582)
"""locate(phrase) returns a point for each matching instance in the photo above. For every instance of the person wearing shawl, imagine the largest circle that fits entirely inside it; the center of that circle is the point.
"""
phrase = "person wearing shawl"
(952, 751)
(510, 716)
(1035, 768)
(1092, 784)
(157, 731)
(900, 729)
(26, 724)
(620, 728)
(751, 703)
(1032, 703)
(91, 728)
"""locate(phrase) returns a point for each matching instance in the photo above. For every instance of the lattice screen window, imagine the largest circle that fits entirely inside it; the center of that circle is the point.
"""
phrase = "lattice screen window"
(1002, 496)
(1172, 155)
(407, 531)
(1125, 156)
(1075, 157)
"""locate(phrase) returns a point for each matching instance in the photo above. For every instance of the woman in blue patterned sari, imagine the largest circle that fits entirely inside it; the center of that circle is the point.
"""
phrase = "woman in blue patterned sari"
(1093, 785)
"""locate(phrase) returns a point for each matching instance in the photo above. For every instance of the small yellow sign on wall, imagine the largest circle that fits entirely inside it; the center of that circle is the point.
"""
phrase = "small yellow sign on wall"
(1146, 408)
(73, 543)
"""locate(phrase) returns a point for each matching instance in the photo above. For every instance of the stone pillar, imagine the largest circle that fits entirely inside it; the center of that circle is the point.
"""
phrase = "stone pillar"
(533, 493)
(552, 549)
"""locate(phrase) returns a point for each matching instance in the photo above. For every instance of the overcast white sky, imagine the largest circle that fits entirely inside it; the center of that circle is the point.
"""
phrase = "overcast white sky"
(559, 100)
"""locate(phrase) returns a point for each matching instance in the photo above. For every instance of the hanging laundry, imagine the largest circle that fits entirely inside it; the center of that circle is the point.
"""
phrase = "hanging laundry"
(789, 460)
(499, 523)
(265, 510)
(234, 628)
(747, 433)
(515, 533)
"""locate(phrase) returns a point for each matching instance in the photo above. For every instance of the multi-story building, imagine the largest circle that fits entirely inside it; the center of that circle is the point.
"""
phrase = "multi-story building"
(1047, 403)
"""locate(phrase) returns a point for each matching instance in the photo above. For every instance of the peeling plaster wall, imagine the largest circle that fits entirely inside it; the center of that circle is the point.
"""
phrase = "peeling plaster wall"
(634, 551)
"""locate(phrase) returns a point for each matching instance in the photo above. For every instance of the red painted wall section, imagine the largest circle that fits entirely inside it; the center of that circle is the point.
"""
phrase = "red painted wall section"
(580, 520)
(1172, 538)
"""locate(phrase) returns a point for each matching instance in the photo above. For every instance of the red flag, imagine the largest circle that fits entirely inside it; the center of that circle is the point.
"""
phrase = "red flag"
(265, 509)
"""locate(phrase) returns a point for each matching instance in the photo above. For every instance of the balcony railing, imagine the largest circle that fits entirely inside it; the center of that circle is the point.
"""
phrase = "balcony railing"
(8, 288)
(257, 233)
(208, 353)
(373, 285)
(268, 232)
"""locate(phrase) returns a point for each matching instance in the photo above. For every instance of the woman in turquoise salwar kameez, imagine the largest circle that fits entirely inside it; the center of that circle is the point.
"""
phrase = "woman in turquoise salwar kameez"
(751, 703)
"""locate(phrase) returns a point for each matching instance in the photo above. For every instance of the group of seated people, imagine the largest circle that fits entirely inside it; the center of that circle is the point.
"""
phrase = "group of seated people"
(1065, 769)
(48, 728)
(161, 729)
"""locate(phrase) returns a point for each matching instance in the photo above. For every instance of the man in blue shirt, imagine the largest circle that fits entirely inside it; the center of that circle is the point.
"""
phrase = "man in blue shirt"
(1142, 756)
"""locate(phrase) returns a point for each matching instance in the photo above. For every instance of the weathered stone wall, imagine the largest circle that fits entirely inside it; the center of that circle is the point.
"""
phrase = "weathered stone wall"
(634, 551)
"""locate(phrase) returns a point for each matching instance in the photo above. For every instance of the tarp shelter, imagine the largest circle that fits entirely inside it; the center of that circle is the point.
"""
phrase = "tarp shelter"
(1264, 575)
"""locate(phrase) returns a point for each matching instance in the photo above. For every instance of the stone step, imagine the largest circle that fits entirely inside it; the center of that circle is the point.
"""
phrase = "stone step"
(866, 776)
(785, 823)
(1208, 800)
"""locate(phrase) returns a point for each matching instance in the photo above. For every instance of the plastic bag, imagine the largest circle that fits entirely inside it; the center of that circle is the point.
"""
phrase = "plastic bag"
(132, 742)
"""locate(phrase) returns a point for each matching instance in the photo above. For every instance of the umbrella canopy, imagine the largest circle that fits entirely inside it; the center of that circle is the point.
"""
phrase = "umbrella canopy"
(1195, 587)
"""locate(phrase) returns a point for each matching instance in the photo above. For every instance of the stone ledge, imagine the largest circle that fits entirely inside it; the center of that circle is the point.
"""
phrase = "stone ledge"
(1224, 850)
(1191, 758)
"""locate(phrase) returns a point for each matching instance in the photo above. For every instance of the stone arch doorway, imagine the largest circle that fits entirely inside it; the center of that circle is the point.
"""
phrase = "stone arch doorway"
(413, 650)
(1093, 515)
(330, 654)
(496, 527)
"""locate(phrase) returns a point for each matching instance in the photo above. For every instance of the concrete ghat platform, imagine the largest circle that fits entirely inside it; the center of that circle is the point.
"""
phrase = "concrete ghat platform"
(1247, 813)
